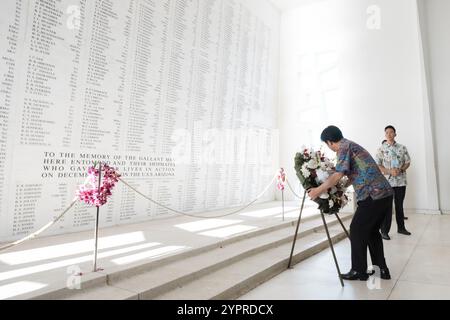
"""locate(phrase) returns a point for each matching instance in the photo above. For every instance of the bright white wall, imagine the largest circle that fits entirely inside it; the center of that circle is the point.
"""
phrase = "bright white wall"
(435, 29)
(336, 70)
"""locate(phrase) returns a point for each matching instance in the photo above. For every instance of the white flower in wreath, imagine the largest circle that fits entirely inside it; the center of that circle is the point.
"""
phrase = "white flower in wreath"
(312, 164)
(343, 182)
(323, 166)
(324, 195)
(344, 201)
(331, 203)
(322, 175)
(333, 190)
(305, 171)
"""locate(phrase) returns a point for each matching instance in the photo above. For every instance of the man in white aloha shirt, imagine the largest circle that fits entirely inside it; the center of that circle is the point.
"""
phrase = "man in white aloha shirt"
(393, 160)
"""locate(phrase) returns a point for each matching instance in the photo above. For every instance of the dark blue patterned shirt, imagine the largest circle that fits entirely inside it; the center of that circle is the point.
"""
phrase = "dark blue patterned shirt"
(358, 165)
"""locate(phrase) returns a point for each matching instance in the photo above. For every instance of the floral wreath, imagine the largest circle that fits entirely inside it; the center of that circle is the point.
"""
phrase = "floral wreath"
(90, 193)
(313, 168)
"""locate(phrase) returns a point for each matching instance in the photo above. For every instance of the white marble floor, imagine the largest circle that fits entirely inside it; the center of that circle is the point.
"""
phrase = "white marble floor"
(419, 265)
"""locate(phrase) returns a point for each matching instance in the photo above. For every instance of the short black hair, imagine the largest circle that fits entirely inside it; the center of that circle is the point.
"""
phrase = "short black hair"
(390, 127)
(332, 134)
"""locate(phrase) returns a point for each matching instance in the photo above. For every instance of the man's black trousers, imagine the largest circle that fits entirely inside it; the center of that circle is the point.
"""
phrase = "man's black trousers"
(399, 197)
(364, 232)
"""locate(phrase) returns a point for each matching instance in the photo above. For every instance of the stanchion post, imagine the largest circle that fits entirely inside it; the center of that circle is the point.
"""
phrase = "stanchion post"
(97, 218)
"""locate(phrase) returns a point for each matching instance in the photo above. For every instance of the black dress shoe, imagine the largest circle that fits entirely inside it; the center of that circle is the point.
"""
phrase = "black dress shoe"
(405, 232)
(384, 274)
(405, 218)
(385, 236)
(355, 275)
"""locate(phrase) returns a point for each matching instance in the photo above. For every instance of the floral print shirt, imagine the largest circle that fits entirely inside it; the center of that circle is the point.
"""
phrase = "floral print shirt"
(358, 165)
(393, 156)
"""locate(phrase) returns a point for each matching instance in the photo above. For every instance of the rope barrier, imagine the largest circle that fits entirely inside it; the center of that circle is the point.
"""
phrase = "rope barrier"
(74, 201)
(292, 190)
(48, 225)
(196, 216)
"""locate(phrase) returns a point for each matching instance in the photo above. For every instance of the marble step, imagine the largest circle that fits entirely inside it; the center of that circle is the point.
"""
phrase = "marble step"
(239, 278)
(59, 289)
(165, 278)
(118, 273)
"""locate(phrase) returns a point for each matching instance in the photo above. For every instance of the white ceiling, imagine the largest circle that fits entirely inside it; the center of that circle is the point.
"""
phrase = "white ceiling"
(284, 5)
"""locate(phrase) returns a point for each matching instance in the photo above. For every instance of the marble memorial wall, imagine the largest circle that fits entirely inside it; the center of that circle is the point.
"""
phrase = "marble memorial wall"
(179, 95)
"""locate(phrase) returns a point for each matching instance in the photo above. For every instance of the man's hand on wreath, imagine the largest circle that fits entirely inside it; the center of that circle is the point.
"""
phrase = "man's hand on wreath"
(314, 193)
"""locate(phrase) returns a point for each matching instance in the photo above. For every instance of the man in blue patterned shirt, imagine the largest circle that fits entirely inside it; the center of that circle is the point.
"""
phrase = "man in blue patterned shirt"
(374, 196)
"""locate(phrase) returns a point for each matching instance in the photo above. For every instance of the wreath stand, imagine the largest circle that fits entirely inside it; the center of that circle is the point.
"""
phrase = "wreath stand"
(328, 236)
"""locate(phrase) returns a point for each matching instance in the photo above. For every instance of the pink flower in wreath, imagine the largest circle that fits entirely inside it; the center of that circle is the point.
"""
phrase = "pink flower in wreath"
(90, 192)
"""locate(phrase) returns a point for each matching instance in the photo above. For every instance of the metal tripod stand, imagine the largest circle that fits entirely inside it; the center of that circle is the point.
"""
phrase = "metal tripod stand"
(330, 242)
